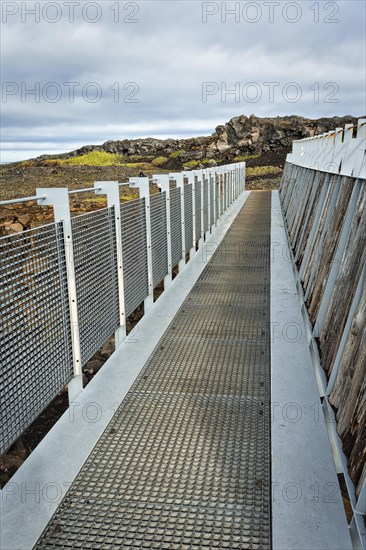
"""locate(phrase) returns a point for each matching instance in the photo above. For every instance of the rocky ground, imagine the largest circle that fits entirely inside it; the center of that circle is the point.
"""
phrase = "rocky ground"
(242, 135)
(262, 142)
(264, 172)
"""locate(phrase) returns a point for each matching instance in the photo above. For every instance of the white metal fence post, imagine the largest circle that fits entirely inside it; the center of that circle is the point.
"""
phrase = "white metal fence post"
(111, 190)
(226, 179)
(205, 205)
(192, 181)
(179, 179)
(237, 180)
(144, 188)
(162, 180)
(59, 200)
(217, 195)
(213, 183)
(231, 184)
(199, 175)
(243, 175)
(207, 177)
(221, 192)
(227, 171)
(234, 181)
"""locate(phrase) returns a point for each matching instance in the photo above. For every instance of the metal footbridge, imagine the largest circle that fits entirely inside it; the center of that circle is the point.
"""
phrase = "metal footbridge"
(211, 425)
(185, 461)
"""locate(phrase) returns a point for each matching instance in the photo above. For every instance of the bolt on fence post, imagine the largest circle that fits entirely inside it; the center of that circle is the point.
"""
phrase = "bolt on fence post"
(192, 181)
(162, 180)
(111, 190)
(179, 179)
(142, 184)
(59, 200)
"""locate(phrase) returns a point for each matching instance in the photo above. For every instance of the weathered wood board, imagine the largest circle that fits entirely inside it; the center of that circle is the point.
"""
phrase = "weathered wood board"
(328, 252)
(349, 274)
(349, 395)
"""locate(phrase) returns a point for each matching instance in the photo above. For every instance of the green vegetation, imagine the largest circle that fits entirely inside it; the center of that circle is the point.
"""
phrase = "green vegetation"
(245, 158)
(192, 164)
(94, 158)
(138, 165)
(27, 163)
(137, 158)
(176, 154)
(196, 163)
(102, 158)
(133, 158)
(263, 170)
(159, 161)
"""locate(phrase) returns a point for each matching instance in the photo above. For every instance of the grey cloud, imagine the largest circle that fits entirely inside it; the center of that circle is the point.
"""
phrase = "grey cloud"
(169, 54)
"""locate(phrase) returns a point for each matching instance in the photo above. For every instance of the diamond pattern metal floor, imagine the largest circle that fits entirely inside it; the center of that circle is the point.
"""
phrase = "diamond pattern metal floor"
(185, 461)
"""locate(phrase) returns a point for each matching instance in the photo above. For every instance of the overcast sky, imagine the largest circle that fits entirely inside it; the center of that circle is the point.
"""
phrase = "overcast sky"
(115, 70)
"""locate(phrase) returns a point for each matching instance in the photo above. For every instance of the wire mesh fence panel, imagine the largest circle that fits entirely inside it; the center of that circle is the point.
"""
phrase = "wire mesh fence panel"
(205, 206)
(134, 253)
(36, 352)
(159, 245)
(176, 225)
(95, 257)
(188, 216)
(198, 201)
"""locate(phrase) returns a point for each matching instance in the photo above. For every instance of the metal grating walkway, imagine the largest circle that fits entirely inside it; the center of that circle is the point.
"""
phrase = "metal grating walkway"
(185, 461)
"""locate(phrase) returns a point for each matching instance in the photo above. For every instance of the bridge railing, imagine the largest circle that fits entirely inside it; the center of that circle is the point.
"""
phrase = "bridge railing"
(323, 196)
(68, 286)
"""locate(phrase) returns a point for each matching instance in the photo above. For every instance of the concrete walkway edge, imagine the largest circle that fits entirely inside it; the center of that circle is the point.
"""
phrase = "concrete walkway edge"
(307, 508)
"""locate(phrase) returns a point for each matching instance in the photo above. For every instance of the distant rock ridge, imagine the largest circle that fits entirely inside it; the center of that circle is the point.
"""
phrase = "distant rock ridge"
(242, 135)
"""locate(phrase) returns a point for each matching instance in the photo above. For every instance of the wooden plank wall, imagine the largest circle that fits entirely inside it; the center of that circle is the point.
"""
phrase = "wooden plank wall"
(315, 206)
